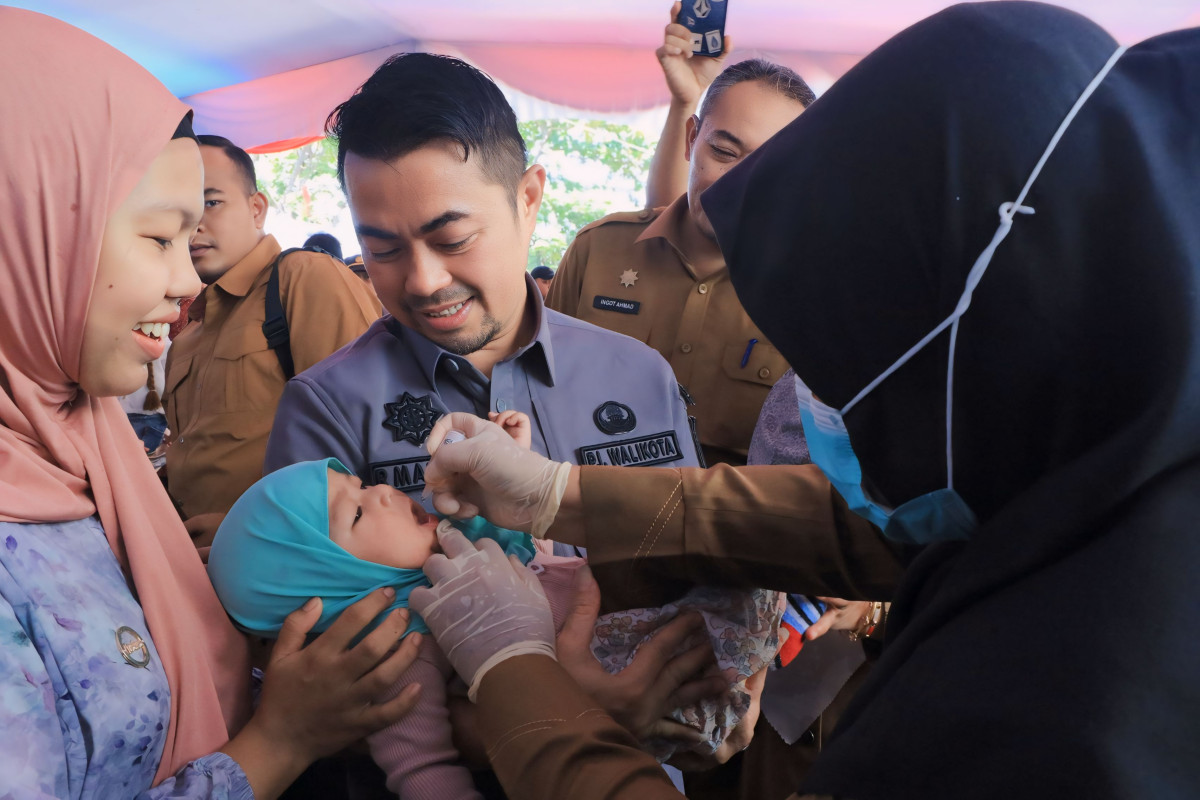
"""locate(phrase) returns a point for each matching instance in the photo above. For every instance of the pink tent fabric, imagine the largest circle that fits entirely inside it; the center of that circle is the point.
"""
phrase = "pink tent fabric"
(266, 74)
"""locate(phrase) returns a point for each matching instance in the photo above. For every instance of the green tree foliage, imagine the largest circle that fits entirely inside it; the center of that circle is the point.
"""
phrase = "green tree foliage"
(303, 183)
(593, 168)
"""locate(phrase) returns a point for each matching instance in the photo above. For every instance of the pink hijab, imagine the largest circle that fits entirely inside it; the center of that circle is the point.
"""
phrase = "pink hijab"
(82, 122)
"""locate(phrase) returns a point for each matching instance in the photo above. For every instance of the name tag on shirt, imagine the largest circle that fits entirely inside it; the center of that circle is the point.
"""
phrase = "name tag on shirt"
(645, 451)
(405, 474)
(616, 304)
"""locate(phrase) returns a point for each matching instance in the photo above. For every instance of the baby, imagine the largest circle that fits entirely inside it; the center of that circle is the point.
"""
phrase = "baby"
(312, 529)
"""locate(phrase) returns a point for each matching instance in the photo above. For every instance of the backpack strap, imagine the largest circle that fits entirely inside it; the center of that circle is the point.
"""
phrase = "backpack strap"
(275, 327)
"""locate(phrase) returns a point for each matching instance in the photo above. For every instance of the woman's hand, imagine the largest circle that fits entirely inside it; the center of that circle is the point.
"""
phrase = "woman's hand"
(483, 606)
(840, 615)
(318, 699)
(654, 684)
(490, 474)
(737, 740)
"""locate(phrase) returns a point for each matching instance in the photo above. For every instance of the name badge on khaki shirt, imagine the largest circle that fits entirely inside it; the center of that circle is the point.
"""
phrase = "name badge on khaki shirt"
(616, 304)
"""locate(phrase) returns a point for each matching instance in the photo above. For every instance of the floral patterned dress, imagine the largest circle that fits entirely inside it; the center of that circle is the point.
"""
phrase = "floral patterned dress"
(84, 702)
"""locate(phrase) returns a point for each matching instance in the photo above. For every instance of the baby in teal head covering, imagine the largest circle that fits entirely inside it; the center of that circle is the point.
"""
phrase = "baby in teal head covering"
(313, 530)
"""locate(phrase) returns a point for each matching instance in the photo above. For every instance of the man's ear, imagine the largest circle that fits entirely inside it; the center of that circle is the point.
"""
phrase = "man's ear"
(529, 196)
(689, 138)
(259, 205)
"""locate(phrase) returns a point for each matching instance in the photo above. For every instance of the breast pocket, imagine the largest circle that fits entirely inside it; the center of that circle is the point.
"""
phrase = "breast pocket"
(245, 373)
(746, 391)
(178, 405)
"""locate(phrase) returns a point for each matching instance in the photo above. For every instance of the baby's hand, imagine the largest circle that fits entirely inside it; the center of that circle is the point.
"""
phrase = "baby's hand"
(516, 424)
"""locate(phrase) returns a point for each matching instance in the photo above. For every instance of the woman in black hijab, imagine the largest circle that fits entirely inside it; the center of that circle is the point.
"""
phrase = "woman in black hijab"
(1004, 207)
(1052, 653)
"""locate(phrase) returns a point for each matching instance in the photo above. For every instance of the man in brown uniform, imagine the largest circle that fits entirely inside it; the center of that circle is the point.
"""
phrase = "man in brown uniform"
(659, 276)
(223, 382)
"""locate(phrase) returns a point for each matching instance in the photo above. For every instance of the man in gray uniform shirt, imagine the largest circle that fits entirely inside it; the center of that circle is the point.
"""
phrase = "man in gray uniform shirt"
(434, 170)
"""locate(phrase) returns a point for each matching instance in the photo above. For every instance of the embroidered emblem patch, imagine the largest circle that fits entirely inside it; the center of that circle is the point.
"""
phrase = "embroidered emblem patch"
(411, 418)
(645, 451)
(628, 278)
(613, 418)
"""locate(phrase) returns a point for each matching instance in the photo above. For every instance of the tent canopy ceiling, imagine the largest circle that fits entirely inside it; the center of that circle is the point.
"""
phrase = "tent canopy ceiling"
(272, 69)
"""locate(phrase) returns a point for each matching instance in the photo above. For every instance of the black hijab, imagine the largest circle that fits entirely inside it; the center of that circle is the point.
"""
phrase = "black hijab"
(1055, 653)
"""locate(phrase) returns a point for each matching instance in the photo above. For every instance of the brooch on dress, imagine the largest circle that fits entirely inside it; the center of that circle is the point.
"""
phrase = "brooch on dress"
(131, 643)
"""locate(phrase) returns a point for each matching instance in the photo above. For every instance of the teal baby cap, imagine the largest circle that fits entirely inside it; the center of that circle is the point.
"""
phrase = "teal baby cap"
(272, 553)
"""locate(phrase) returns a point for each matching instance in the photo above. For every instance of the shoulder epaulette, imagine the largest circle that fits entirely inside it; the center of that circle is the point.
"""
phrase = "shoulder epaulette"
(643, 217)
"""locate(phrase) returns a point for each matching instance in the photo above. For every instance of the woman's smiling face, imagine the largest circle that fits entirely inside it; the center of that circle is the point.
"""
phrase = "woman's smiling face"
(144, 270)
(379, 524)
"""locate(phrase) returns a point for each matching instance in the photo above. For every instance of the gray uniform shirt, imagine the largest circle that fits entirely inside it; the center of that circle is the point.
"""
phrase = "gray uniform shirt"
(593, 397)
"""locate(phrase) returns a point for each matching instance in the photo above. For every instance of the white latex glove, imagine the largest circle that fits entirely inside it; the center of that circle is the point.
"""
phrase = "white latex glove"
(490, 474)
(484, 607)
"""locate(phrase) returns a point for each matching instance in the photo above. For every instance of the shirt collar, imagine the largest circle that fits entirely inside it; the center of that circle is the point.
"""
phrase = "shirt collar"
(538, 355)
(240, 278)
(668, 226)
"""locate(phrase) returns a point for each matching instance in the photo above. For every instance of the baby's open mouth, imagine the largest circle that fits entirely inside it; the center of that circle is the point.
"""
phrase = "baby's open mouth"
(419, 514)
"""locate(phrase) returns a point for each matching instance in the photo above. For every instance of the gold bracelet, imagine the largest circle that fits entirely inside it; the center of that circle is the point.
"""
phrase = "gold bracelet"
(870, 621)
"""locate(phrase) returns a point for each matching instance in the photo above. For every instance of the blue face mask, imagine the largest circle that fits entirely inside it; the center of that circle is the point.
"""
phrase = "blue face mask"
(941, 515)
(933, 517)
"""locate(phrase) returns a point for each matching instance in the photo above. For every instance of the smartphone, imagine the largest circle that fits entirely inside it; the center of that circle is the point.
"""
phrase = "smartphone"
(706, 21)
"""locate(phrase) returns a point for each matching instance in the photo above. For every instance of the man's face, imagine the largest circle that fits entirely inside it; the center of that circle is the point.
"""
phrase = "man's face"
(543, 285)
(444, 247)
(233, 217)
(736, 124)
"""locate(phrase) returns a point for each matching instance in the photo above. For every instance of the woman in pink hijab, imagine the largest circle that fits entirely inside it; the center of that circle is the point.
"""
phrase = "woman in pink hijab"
(119, 670)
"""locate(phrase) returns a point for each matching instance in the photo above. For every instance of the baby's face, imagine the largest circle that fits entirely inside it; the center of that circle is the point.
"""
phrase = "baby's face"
(379, 523)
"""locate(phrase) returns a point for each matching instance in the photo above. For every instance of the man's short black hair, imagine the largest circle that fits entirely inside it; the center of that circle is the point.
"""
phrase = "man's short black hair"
(236, 154)
(776, 76)
(325, 241)
(417, 98)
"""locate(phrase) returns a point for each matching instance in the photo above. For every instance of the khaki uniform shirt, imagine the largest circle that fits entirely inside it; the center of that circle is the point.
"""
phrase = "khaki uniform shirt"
(223, 383)
(554, 741)
(627, 273)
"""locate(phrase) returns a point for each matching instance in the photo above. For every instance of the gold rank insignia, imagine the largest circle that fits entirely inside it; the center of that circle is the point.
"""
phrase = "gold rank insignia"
(628, 278)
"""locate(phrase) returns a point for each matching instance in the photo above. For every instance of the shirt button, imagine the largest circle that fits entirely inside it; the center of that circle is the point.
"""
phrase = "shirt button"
(501, 405)
(685, 347)
(764, 373)
(702, 288)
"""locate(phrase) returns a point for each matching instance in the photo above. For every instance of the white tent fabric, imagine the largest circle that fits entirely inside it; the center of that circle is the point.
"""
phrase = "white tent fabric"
(267, 72)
